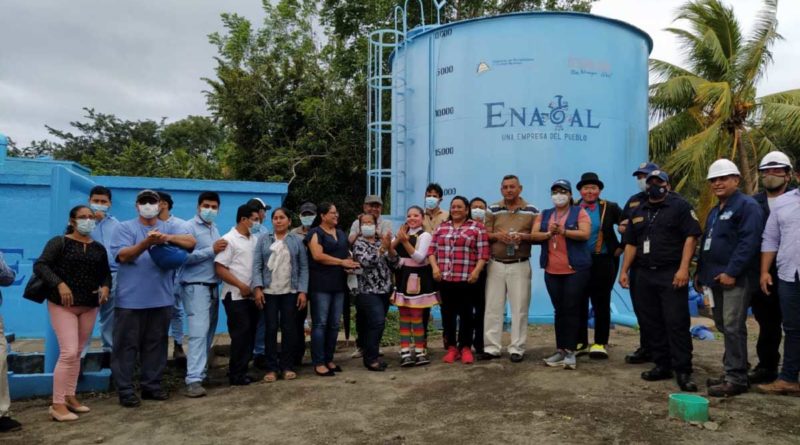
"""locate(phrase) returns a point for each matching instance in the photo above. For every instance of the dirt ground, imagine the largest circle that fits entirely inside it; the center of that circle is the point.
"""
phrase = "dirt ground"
(488, 402)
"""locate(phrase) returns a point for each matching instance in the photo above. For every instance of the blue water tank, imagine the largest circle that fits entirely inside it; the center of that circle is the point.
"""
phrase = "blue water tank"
(541, 95)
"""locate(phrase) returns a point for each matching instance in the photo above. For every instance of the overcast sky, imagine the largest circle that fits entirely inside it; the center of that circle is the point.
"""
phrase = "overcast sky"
(145, 59)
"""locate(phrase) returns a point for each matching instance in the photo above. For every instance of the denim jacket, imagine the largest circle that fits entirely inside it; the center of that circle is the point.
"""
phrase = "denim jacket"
(262, 277)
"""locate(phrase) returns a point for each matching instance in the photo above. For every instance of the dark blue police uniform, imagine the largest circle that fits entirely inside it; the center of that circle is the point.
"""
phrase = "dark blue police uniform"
(659, 232)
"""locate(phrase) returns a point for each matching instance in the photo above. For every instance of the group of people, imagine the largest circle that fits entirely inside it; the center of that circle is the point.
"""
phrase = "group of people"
(141, 276)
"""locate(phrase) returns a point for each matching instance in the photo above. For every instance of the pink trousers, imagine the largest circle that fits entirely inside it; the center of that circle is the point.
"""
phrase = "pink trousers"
(73, 327)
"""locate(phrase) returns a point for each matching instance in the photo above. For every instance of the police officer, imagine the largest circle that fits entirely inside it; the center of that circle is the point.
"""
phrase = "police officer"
(776, 173)
(659, 244)
(728, 266)
(641, 354)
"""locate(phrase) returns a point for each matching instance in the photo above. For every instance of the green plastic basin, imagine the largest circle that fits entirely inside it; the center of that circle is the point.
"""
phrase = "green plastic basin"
(688, 407)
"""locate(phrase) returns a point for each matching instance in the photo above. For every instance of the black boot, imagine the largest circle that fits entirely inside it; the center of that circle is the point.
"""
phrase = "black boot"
(762, 375)
(657, 373)
(638, 356)
(685, 382)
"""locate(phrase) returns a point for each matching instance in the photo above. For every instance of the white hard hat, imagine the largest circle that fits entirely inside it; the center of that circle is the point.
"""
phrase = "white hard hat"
(775, 159)
(722, 167)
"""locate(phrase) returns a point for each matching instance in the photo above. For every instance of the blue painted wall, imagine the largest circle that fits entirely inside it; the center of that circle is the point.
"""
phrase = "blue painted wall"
(35, 198)
(540, 95)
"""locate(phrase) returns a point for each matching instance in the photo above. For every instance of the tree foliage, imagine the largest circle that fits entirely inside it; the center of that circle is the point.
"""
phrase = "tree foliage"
(188, 148)
(709, 108)
(295, 101)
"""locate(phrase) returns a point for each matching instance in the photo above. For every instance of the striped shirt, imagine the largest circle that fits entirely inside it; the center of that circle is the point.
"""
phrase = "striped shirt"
(458, 250)
(500, 218)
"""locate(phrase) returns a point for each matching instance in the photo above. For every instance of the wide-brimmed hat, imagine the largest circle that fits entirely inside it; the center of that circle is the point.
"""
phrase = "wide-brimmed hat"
(373, 199)
(590, 178)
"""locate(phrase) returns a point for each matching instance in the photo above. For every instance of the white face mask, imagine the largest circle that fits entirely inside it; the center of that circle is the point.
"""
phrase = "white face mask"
(368, 230)
(478, 214)
(642, 183)
(148, 211)
(560, 200)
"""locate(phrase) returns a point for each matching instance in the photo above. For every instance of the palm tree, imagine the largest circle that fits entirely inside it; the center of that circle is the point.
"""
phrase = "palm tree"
(710, 109)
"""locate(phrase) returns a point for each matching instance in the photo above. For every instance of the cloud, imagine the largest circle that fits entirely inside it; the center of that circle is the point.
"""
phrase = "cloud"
(653, 16)
(138, 60)
(145, 59)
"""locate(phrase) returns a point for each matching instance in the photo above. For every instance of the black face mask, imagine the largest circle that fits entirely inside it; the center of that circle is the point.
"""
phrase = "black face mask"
(657, 192)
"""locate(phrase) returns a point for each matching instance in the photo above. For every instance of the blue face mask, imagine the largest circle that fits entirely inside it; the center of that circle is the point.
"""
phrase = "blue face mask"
(431, 202)
(307, 220)
(256, 228)
(208, 215)
(98, 208)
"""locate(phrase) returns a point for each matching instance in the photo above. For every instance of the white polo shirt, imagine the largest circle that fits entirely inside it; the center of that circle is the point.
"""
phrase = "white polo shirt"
(238, 258)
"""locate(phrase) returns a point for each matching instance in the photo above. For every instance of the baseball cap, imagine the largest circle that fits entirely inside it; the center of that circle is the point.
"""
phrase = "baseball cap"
(147, 193)
(645, 168)
(308, 207)
(258, 203)
(562, 184)
(660, 174)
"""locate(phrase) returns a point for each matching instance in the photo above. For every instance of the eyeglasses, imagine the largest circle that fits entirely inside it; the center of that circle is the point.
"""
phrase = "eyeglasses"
(147, 201)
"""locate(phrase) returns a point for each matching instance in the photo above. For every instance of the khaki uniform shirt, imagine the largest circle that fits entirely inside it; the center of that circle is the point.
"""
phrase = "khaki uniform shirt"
(430, 224)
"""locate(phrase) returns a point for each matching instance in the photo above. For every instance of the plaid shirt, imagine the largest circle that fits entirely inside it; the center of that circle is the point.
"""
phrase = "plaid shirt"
(457, 250)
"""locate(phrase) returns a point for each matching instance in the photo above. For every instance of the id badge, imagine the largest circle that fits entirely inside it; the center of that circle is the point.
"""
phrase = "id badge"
(707, 245)
(646, 247)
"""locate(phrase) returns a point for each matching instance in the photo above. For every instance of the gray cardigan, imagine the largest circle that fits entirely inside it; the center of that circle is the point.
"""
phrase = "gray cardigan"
(262, 277)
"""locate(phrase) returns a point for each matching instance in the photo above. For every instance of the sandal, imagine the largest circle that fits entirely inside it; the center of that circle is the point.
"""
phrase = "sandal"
(270, 377)
(289, 375)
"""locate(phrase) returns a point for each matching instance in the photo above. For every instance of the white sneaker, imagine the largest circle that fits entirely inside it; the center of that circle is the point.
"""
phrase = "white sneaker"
(555, 360)
(570, 361)
(358, 353)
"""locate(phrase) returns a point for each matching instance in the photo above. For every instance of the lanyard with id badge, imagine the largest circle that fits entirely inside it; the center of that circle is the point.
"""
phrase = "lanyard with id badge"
(707, 242)
(650, 220)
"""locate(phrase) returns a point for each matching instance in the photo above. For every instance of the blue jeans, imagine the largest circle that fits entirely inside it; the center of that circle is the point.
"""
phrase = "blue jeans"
(372, 308)
(789, 294)
(326, 311)
(106, 314)
(261, 329)
(176, 324)
(730, 318)
(202, 310)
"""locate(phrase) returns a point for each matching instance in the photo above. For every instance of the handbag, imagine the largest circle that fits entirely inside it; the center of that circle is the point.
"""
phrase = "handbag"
(36, 290)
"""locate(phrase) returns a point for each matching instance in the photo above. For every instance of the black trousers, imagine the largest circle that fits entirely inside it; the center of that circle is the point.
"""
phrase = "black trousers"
(643, 333)
(242, 321)
(565, 293)
(300, 330)
(140, 334)
(362, 320)
(665, 315)
(458, 301)
(478, 311)
(767, 311)
(601, 280)
(280, 311)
